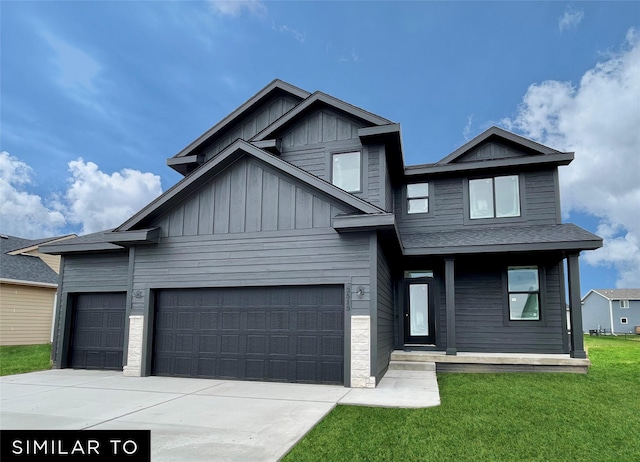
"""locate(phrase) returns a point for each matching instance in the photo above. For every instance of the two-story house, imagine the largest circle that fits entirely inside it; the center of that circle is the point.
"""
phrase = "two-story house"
(300, 248)
(607, 311)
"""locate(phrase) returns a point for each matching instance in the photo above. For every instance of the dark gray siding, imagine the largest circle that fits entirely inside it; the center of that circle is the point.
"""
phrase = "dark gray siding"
(254, 122)
(385, 313)
(490, 151)
(321, 126)
(249, 197)
(539, 204)
(481, 316)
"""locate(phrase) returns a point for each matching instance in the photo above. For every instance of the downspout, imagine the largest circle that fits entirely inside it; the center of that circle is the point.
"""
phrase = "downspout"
(611, 316)
(53, 317)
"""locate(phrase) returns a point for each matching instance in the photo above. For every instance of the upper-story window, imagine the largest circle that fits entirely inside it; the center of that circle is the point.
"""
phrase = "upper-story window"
(624, 303)
(497, 197)
(346, 171)
(418, 198)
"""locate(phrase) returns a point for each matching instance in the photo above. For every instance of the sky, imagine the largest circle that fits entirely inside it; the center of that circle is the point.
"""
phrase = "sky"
(96, 95)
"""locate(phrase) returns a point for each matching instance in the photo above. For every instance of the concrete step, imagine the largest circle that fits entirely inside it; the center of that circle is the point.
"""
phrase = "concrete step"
(409, 374)
(415, 356)
(412, 366)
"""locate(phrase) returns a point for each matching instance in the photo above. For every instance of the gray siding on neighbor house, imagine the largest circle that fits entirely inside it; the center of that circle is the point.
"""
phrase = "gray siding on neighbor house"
(539, 204)
(385, 313)
(632, 314)
(249, 196)
(253, 123)
(595, 313)
(482, 322)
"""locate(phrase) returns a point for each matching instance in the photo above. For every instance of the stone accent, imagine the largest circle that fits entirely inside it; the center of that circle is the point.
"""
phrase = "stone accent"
(134, 355)
(361, 353)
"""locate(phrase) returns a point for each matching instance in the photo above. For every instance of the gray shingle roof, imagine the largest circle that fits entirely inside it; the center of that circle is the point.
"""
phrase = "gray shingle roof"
(619, 294)
(510, 238)
(24, 267)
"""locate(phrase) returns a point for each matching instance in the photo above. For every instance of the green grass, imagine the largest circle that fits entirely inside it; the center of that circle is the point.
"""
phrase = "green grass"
(500, 417)
(24, 358)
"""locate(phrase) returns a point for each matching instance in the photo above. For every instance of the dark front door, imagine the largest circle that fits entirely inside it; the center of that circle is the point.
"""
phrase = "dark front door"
(418, 313)
(281, 334)
(97, 332)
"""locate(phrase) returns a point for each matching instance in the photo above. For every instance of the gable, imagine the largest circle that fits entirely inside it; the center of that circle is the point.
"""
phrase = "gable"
(250, 196)
(246, 127)
(321, 126)
(492, 150)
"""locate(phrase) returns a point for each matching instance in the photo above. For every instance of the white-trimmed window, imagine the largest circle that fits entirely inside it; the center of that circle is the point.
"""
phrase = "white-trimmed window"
(418, 198)
(524, 293)
(497, 197)
(346, 171)
(624, 304)
(624, 320)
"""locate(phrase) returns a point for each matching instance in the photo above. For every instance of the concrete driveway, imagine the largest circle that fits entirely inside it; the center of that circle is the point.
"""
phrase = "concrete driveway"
(189, 419)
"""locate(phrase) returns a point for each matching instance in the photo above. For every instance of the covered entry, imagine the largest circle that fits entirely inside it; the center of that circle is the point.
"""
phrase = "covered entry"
(283, 334)
(97, 331)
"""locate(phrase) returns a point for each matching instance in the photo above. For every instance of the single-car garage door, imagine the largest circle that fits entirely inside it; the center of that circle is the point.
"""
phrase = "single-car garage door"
(283, 334)
(97, 338)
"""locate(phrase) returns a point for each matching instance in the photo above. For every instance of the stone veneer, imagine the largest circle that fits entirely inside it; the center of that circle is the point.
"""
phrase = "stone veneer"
(134, 354)
(361, 353)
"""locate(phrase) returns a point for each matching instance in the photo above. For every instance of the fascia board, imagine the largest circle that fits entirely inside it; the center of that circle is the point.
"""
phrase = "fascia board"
(361, 222)
(20, 282)
(500, 248)
(74, 248)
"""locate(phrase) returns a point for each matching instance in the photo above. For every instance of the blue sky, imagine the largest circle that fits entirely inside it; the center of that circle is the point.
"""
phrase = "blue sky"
(97, 95)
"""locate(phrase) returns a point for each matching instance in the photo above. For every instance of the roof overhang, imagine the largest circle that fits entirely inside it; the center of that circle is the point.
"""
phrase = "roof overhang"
(186, 164)
(346, 223)
(18, 282)
(61, 249)
(137, 237)
(391, 137)
(502, 248)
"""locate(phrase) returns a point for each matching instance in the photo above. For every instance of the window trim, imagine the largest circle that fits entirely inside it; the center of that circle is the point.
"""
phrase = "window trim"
(466, 202)
(624, 304)
(624, 320)
(405, 200)
(348, 151)
(542, 288)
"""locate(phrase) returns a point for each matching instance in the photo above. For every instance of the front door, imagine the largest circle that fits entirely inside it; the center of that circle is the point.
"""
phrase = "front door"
(418, 314)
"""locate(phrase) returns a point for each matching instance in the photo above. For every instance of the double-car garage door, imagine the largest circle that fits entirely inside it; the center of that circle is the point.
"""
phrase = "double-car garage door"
(284, 334)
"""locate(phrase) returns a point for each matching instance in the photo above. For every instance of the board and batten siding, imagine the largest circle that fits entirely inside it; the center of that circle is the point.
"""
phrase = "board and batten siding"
(26, 313)
(251, 124)
(539, 204)
(482, 317)
(321, 126)
(385, 314)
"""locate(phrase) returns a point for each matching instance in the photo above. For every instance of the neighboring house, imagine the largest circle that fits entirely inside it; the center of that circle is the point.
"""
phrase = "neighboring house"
(300, 248)
(28, 285)
(611, 311)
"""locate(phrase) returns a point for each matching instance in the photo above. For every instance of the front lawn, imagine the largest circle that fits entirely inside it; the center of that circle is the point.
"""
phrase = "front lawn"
(24, 358)
(510, 417)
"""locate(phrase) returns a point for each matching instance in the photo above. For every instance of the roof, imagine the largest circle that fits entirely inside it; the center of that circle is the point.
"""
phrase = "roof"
(617, 294)
(24, 268)
(539, 154)
(504, 239)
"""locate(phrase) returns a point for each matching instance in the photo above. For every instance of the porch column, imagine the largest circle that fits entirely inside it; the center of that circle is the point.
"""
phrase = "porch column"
(575, 308)
(450, 291)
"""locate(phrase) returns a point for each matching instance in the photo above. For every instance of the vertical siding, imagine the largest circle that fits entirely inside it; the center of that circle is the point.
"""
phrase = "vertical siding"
(385, 312)
(25, 314)
(248, 197)
(490, 151)
(322, 126)
(253, 123)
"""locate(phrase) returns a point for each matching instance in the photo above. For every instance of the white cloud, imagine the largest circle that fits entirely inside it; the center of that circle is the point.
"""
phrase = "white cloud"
(93, 201)
(97, 200)
(570, 19)
(467, 128)
(598, 119)
(351, 58)
(299, 36)
(235, 7)
(21, 213)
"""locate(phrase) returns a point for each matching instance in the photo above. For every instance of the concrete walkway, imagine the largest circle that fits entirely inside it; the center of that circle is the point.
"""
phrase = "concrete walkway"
(193, 419)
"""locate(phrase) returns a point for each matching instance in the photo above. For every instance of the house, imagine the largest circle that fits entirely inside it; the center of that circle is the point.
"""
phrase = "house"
(611, 311)
(28, 286)
(298, 247)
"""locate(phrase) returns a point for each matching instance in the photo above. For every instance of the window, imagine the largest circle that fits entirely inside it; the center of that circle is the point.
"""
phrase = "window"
(418, 198)
(624, 304)
(497, 197)
(346, 171)
(624, 320)
(524, 293)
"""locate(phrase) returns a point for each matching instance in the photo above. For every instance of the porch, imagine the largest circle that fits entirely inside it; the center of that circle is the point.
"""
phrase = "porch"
(494, 362)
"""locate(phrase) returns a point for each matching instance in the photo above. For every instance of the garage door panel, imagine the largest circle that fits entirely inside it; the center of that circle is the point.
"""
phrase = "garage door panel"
(254, 334)
(97, 338)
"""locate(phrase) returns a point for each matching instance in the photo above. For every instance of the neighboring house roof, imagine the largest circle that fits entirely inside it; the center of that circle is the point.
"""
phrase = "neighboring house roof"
(616, 294)
(505, 239)
(15, 267)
